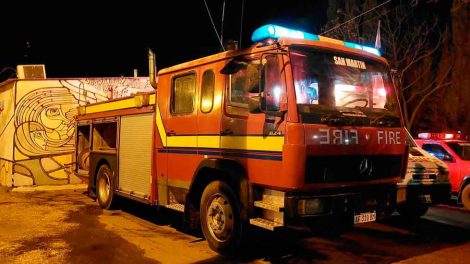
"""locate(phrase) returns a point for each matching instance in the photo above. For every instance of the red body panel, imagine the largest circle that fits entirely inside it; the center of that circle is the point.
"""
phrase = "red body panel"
(324, 140)
(458, 168)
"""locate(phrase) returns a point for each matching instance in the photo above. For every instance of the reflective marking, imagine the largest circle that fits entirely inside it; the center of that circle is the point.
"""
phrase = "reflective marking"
(116, 105)
(161, 128)
(152, 99)
(181, 141)
(270, 143)
(208, 141)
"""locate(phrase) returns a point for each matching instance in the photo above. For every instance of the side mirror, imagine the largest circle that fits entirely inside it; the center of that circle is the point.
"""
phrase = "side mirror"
(272, 95)
(233, 66)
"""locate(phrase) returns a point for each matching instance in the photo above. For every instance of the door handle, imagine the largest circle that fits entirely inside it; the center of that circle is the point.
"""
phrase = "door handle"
(171, 133)
(226, 132)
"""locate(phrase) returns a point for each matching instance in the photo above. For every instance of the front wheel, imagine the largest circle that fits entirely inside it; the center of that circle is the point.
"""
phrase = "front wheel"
(105, 187)
(220, 218)
(465, 197)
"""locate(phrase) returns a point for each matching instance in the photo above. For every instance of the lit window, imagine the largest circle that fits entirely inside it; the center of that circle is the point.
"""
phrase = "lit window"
(183, 94)
(207, 91)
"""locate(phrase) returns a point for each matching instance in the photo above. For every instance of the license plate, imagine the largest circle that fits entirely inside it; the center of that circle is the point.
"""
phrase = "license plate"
(364, 217)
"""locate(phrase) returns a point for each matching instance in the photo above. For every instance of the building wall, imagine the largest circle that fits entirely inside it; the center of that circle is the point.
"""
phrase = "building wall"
(7, 131)
(37, 125)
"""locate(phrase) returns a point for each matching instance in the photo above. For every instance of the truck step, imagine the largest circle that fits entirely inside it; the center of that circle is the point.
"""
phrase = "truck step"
(269, 206)
(266, 224)
(176, 207)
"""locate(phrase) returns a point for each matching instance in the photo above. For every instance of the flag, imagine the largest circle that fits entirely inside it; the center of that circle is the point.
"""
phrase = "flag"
(377, 37)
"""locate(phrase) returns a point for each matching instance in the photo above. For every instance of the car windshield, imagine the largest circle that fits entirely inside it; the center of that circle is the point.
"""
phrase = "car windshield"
(341, 85)
(462, 149)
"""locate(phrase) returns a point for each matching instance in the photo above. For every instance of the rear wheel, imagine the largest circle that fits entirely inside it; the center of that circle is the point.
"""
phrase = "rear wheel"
(412, 211)
(465, 197)
(105, 187)
(220, 218)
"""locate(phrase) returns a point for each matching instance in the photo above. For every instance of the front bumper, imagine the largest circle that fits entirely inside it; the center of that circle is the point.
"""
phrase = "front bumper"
(343, 205)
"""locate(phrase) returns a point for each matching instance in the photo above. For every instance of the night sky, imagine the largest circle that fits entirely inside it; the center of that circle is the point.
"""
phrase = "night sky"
(80, 39)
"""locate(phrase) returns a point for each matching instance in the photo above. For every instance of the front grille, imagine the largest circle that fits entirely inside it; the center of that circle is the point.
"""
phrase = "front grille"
(330, 169)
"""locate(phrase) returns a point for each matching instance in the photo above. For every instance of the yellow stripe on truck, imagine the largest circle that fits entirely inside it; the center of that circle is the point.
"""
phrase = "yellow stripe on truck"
(271, 143)
(182, 141)
(116, 105)
(208, 141)
(256, 143)
(152, 99)
(136, 101)
(161, 128)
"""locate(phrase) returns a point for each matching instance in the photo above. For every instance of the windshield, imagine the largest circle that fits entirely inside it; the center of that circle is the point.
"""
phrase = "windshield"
(461, 149)
(334, 86)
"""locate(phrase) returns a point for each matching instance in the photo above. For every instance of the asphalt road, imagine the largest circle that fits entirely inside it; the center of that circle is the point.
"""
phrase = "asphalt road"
(68, 227)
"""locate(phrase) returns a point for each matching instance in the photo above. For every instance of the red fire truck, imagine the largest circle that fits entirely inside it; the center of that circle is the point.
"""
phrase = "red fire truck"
(454, 149)
(294, 129)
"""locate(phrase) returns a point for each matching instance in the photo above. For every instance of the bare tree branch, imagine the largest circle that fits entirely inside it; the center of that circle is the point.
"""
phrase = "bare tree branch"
(425, 96)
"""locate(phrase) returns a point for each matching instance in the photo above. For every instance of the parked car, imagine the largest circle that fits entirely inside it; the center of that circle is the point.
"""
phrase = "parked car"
(454, 150)
(426, 182)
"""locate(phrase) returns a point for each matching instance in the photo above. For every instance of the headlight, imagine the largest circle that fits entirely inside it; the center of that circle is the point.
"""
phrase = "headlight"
(313, 206)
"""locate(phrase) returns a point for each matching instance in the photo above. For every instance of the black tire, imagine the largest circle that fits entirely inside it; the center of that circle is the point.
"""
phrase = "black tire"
(412, 211)
(105, 187)
(220, 218)
(465, 197)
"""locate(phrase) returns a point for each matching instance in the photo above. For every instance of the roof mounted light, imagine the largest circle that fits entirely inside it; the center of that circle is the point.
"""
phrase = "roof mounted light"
(440, 136)
(271, 31)
(274, 31)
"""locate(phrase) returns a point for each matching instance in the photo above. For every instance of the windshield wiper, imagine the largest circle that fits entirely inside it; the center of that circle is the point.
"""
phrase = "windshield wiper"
(385, 121)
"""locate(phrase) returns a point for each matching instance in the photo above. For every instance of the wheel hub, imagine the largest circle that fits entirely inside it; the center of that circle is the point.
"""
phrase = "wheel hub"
(220, 218)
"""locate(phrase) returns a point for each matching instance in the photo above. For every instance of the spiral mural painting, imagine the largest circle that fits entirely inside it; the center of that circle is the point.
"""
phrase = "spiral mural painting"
(37, 125)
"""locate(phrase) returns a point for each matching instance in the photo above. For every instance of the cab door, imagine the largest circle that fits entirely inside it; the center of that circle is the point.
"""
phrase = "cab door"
(181, 130)
(209, 111)
(252, 137)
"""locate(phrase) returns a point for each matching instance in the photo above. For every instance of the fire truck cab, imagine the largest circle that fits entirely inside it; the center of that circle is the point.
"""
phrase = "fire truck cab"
(294, 129)
(453, 149)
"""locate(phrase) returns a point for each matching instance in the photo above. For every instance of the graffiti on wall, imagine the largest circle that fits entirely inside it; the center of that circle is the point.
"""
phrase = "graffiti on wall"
(44, 125)
(5, 172)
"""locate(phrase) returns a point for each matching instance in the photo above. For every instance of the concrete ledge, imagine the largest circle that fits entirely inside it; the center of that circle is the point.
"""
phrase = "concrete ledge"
(49, 188)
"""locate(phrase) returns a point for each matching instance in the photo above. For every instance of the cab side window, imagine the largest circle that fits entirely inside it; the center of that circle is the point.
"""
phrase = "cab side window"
(182, 94)
(272, 83)
(438, 151)
(241, 86)
(207, 91)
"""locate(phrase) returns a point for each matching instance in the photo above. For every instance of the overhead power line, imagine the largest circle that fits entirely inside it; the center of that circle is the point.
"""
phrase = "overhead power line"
(215, 29)
(370, 10)
(241, 23)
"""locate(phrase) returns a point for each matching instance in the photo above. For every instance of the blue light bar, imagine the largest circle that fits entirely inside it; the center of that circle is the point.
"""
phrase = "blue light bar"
(271, 31)
(274, 31)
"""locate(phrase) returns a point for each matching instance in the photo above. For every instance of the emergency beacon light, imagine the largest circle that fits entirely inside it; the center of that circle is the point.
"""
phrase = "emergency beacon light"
(271, 31)
(439, 136)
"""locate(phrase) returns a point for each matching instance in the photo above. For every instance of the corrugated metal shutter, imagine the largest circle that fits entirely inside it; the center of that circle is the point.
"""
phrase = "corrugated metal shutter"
(135, 154)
